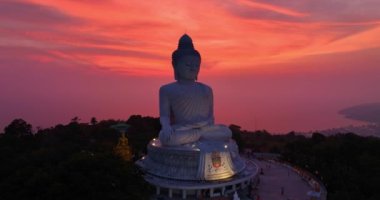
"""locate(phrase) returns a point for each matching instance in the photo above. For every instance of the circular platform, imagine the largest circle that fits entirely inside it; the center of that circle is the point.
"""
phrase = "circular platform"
(185, 188)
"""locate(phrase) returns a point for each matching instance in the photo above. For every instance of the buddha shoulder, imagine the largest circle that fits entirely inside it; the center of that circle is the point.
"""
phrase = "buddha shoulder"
(168, 87)
(204, 87)
(175, 86)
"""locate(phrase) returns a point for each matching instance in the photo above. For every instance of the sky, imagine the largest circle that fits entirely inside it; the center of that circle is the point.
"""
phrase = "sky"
(275, 65)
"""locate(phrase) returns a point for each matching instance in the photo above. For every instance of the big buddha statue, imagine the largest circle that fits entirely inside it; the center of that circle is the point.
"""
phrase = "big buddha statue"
(186, 105)
(190, 145)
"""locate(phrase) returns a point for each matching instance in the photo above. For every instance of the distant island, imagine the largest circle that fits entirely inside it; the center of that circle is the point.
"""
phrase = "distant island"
(370, 129)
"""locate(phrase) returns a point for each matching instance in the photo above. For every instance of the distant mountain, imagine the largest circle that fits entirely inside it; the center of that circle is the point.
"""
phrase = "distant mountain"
(363, 130)
(369, 112)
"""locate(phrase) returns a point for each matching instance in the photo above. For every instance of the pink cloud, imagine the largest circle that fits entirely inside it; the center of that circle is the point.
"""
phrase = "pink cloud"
(273, 63)
(34, 13)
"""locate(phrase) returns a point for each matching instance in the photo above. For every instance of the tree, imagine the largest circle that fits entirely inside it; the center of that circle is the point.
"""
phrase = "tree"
(75, 120)
(317, 137)
(93, 121)
(236, 135)
(18, 127)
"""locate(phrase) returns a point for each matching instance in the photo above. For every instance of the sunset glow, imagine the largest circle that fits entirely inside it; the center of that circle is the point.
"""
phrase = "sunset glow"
(275, 65)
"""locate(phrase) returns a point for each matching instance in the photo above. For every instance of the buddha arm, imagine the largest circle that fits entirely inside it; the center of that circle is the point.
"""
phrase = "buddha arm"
(166, 129)
(211, 119)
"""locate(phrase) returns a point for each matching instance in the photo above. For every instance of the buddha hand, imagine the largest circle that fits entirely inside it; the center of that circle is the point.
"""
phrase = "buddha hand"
(166, 133)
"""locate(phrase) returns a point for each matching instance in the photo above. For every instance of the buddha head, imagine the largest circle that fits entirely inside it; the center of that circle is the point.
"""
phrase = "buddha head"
(186, 60)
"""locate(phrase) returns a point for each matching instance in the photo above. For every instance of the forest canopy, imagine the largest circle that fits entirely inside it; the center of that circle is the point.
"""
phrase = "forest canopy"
(76, 160)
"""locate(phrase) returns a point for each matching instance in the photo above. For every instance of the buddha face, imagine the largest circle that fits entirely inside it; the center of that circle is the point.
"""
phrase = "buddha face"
(187, 67)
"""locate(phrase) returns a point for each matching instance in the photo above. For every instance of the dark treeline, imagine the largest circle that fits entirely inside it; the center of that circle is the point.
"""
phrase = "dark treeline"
(76, 160)
(73, 161)
(347, 164)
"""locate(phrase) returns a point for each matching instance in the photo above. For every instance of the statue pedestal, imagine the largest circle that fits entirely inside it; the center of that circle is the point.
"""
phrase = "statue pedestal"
(214, 167)
(202, 160)
(182, 189)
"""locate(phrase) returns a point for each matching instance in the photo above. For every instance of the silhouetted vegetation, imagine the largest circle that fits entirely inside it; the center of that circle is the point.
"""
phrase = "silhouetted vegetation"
(73, 161)
(347, 164)
(18, 128)
(76, 160)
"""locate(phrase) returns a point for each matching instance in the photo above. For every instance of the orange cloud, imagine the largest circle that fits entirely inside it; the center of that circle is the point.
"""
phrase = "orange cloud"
(273, 8)
(126, 34)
